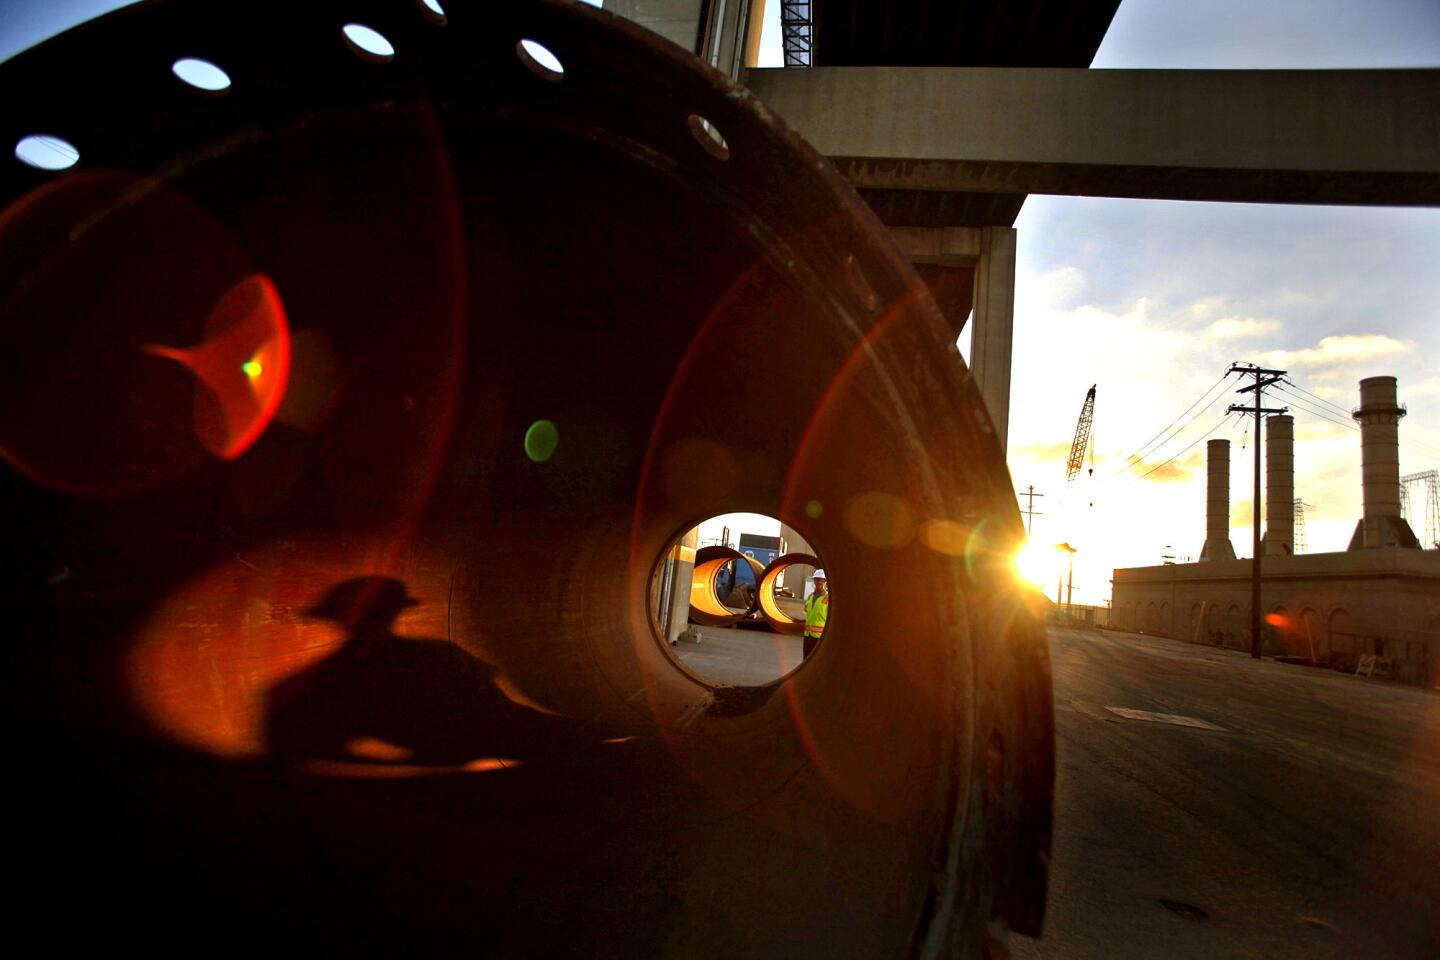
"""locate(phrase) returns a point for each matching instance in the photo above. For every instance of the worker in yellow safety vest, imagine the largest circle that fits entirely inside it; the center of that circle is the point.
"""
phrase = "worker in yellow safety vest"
(817, 608)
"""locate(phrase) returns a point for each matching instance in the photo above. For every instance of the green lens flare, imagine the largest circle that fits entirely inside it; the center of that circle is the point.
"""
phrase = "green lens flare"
(541, 440)
(813, 509)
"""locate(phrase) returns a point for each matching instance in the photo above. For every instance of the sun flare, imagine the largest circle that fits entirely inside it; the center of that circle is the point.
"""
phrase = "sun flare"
(1038, 564)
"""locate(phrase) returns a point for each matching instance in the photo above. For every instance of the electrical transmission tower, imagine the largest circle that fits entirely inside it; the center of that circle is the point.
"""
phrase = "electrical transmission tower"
(1082, 437)
(1299, 536)
(1431, 480)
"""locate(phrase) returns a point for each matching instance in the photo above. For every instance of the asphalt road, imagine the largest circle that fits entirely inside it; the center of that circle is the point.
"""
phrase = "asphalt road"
(732, 655)
(1299, 818)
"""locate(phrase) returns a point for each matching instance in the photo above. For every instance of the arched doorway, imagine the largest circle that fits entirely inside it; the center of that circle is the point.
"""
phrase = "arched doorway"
(1344, 646)
(1312, 635)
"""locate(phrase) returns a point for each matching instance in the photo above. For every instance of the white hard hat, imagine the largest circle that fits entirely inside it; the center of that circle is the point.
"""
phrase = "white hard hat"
(818, 575)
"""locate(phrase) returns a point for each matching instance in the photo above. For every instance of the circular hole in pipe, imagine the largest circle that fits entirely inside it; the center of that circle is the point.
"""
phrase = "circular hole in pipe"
(540, 61)
(732, 606)
(201, 74)
(368, 42)
(46, 152)
(711, 140)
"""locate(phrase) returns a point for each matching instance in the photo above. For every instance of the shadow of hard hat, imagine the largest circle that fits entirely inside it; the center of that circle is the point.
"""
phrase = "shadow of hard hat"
(361, 598)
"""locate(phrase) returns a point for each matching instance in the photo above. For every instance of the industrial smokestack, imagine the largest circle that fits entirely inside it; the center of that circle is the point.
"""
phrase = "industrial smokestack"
(1379, 415)
(1280, 485)
(1217, 502)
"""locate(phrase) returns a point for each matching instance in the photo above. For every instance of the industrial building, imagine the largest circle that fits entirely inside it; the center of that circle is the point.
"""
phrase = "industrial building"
(1378, 599)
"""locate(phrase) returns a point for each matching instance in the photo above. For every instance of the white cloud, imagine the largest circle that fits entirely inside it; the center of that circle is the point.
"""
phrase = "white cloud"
(1235, 328)
(1331, 351)
(1424, 388)
(1153, 301)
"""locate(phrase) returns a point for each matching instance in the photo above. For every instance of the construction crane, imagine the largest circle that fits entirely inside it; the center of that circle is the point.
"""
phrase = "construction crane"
(1430, 479)
(1082, 437)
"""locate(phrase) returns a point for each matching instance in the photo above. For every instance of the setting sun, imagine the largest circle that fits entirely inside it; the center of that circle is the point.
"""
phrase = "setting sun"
(1039, 564)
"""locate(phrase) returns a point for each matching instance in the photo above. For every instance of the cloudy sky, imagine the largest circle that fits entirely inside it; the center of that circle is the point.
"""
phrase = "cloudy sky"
(1152, 300)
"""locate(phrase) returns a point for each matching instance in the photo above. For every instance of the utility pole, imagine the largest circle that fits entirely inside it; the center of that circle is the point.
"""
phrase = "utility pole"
(1263, 379)
(1029, 510)
(1070, 580)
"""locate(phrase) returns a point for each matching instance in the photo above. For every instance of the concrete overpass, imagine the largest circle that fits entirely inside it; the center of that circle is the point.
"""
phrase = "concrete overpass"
(920, 142)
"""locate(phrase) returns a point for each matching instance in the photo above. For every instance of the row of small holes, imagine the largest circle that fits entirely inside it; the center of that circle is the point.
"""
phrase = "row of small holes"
(48, 152)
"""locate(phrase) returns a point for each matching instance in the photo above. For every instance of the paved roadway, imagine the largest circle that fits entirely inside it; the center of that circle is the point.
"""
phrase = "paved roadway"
(1306, 825)
(732, 655)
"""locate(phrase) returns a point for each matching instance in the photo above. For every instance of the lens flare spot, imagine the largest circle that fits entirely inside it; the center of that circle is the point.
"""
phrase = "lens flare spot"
(880, 519)
(242, 367)
(541, 441)
(945, 536)
(813, 509)
(373, 748)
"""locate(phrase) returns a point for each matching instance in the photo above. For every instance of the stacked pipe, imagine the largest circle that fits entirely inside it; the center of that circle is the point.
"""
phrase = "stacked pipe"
(709, 597)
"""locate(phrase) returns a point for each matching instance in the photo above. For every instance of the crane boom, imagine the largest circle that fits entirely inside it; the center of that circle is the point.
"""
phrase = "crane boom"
(1082, 436)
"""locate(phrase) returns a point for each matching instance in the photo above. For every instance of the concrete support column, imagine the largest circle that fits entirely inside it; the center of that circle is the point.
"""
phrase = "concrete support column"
(1279, 537)
(992, 333)
(682, 573)
(945, 258)
(1217, 502)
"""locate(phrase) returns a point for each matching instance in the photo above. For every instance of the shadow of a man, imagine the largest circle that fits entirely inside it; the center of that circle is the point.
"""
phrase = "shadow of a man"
(388, 699)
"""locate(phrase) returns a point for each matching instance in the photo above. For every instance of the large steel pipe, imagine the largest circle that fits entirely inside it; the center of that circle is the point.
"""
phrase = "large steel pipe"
(339, 660)
(782, 620)
(707, 605)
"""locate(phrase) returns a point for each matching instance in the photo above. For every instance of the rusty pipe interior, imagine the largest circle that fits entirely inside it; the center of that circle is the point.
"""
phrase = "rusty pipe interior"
(322, 478)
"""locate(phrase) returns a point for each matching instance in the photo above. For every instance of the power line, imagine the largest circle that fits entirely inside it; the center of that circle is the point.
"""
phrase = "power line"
(1182, 452)
(1414, 446)
(1332, 405)
(1149, 445)
(1314, 411)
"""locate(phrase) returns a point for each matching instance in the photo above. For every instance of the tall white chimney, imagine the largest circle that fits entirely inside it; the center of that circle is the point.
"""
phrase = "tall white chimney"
(1279, 536)
(1379, 415)
(1217, 502)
